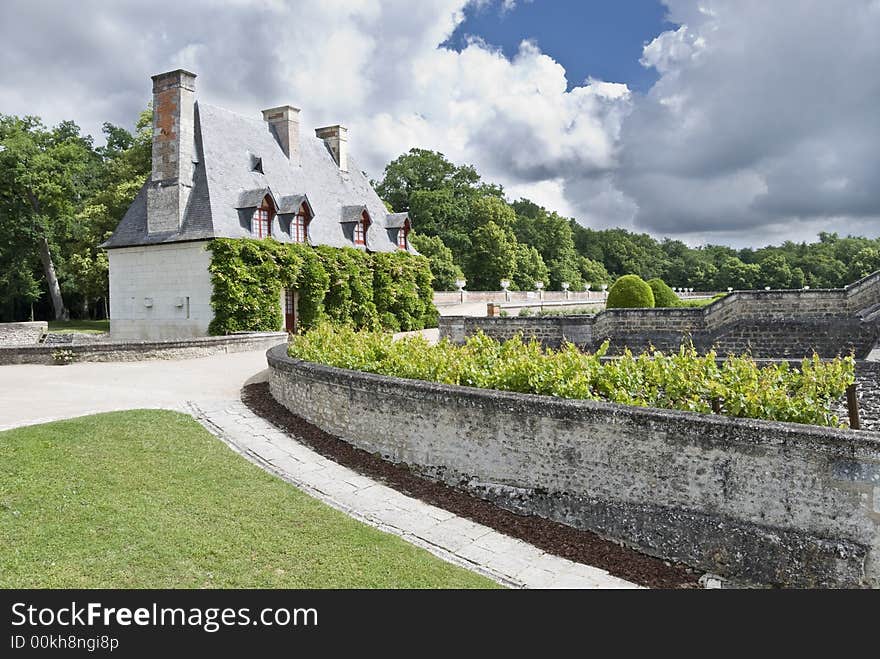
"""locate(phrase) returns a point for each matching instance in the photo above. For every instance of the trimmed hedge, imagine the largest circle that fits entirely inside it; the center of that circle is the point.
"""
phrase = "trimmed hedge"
(343, 286)
(663, 295)
(630, 292)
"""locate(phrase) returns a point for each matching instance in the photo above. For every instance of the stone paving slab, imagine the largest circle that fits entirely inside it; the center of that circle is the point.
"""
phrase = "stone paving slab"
(506, 560)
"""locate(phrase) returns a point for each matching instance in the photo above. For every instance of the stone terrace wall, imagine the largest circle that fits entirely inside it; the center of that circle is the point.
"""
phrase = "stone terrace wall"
(757, 501)
(769, 323)
(127, 351)
(21, 334)
(445, 298)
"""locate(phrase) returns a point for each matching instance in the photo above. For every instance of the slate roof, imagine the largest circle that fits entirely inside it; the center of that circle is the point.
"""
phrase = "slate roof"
(226, 189)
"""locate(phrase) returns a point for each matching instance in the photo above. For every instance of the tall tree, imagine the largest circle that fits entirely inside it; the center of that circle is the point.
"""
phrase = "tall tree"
(44, 175)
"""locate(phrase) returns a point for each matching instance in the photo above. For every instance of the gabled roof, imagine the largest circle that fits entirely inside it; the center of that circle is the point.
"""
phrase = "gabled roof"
(292, 204)
(354, 213)
(396, 220)
(254, 198)
(225, 185)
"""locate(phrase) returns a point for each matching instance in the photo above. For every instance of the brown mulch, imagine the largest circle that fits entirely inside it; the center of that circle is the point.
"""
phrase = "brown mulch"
(554, 538)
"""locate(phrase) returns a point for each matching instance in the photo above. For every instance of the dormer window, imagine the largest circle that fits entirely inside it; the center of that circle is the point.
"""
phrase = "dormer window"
(360, 229)
(261, 222)
(402, 236)
(299, 225)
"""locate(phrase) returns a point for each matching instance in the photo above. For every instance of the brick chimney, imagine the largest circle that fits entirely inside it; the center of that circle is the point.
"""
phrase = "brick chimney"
(336, 139)
(284, 121)
(173, 150)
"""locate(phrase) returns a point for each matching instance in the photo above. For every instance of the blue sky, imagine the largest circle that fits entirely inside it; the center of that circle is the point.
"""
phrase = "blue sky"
(602, 39)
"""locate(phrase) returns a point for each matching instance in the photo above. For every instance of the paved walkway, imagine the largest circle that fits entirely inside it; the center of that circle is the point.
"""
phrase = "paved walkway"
(208, 388)
(453, 538)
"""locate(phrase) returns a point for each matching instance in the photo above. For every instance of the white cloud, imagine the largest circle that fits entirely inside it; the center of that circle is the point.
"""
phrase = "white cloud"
(764, 115)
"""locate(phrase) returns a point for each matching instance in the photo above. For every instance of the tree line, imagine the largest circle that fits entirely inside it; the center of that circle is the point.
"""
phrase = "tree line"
(61, 196)
(468, 229)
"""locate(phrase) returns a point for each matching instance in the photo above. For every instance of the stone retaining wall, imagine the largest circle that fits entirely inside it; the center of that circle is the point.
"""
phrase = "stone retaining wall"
(757, 501)
(22, 334)
(125, 351)
(769, 323)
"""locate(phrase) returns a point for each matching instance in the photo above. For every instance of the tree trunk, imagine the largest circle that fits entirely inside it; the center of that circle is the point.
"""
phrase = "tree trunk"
(61, 312)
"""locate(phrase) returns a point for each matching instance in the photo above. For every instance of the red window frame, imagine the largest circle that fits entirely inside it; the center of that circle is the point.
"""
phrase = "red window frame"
(360, 229)
(402, 233)
(299, 225)
(261, 222)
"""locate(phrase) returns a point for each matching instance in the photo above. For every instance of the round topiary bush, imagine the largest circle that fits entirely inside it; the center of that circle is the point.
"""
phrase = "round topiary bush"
(630, 292)
(663, 295)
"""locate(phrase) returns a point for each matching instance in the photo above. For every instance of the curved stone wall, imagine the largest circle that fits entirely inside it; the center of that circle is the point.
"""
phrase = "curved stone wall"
(763, 502)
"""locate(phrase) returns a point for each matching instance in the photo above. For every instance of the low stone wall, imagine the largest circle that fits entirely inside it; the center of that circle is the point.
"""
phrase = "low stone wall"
(22, 334)
(446, 298)
(126, 351)
(768, 323)
(762, 502)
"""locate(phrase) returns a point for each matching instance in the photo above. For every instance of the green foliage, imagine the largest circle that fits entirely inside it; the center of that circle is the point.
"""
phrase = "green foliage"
(440, 259)
(60, 197)
(451, 202)
(492, 257)
(402, 291)
(683, 380)
(530, 268)
(630, 292)
(593, 273)
(663, 295)
(343, 286)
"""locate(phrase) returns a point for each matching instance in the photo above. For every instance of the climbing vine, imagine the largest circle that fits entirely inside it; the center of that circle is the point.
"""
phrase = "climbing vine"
(343, 286)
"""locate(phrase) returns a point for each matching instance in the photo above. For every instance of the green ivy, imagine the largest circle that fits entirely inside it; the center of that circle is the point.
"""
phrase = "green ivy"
(343, 286)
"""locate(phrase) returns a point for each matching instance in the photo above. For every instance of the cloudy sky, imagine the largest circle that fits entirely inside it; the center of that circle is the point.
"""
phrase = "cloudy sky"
(742, 122)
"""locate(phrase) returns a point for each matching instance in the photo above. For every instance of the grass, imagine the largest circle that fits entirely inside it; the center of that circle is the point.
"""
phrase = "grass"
(577, 311)
(79, 326)
(701, 302)
(150, 499)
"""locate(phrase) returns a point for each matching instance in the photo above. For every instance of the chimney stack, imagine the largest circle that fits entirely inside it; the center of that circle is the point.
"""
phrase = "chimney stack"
(284, 121)
(173, 150)
(336, 139)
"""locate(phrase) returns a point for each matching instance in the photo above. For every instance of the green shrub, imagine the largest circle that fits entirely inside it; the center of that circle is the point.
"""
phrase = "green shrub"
(630, 292)
(344, 286)
(683, 380)
(525, 311)
(663, 295)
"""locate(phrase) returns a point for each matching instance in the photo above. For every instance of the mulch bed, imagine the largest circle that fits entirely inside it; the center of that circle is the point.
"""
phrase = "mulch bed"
(553, 537)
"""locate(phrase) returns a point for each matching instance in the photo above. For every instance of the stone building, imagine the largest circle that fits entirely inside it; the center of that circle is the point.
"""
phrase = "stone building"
(220, 174)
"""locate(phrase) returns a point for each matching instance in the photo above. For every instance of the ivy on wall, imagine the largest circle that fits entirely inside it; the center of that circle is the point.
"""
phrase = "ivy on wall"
(344, 286)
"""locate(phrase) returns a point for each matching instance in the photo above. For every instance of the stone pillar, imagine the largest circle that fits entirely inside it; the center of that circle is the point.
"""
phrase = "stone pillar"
(284, 121)
(173, 150)
(336, 139)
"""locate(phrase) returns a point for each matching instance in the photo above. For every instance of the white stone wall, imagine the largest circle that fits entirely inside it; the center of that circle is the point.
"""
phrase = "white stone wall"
(174, 278)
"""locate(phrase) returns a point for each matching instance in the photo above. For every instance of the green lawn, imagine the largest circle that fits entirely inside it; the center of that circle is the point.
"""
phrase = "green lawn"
(79, 326)
(149, 498)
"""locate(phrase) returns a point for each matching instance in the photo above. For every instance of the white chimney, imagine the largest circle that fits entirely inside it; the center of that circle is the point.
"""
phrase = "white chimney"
(284, 121)
(336, 139)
